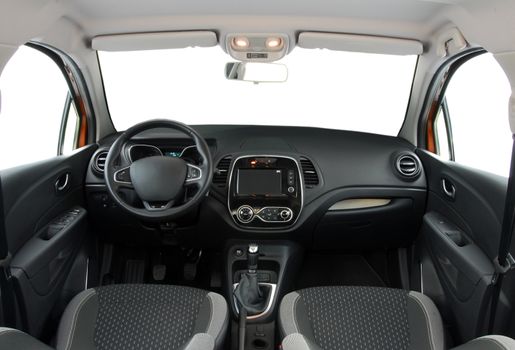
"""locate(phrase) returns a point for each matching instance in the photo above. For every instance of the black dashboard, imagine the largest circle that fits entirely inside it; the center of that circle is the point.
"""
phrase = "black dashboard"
(321, 186)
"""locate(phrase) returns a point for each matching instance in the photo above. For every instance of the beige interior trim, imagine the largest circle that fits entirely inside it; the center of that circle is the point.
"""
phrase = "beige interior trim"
(359, 203)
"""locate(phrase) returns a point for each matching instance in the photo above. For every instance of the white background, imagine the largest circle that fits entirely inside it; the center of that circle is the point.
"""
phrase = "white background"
(33, 97)
(478, 96)
(339, 90)
(330, 89)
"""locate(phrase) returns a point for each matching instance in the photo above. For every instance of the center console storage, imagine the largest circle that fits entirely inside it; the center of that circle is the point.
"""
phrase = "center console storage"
(265, 191)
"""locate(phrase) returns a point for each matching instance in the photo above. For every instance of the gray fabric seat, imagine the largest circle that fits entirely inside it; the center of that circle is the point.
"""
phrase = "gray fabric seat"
(367, 318)
(137, 317)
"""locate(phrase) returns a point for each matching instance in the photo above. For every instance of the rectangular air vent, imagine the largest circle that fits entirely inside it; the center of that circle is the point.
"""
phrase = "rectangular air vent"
(222, 170)
(309, 172)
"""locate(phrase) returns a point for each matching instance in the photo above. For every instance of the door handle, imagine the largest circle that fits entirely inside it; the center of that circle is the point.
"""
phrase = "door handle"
(448, 189)
(62, 182)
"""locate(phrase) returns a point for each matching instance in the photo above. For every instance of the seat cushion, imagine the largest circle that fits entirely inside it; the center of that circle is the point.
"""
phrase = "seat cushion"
(338, 318)
(143, 317)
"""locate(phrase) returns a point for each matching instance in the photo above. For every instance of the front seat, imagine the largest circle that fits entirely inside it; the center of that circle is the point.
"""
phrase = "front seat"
(137, 316)
(366, 318)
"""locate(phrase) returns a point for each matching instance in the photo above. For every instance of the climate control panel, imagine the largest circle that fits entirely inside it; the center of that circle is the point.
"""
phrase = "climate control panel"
(246, 214)
(265, 191)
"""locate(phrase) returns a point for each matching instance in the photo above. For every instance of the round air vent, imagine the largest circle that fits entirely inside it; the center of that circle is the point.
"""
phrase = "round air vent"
(99, 161)
(408, 166)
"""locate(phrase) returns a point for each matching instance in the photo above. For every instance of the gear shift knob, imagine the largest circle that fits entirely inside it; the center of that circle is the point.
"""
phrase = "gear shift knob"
(252, 257)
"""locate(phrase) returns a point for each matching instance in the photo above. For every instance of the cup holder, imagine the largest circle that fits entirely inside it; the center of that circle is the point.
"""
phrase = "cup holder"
(259, 344)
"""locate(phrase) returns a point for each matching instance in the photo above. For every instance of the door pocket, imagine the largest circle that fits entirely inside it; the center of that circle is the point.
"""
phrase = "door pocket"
(461, 263)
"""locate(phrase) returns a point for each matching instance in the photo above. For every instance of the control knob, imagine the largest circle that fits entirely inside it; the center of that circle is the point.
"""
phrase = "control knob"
(285, 214)
(245, 213)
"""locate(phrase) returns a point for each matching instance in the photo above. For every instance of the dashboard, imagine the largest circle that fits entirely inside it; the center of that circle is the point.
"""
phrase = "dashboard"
(321, 186)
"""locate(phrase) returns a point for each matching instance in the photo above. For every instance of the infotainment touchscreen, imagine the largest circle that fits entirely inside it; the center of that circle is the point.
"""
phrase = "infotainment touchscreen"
(259, 182)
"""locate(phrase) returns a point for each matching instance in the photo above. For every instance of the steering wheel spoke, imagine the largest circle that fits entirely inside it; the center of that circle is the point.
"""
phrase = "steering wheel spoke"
(122, 178)
(158, 206)
(194, 175)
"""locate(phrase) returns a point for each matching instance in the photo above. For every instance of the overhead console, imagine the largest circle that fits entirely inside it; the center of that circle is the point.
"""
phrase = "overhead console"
(265, 191)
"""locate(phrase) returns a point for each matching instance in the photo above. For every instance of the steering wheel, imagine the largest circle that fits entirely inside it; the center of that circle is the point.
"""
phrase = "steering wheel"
(159, 181)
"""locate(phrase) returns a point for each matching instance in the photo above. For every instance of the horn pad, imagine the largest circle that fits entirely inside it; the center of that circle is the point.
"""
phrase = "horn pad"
(158, 178)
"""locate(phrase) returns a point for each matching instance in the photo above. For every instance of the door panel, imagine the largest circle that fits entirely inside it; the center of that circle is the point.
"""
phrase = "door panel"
(460, 235)
(46, 224)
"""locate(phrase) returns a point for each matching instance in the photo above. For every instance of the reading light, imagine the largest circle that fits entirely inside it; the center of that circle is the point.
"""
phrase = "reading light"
(240, 42)
(257, 47)
(273, 43)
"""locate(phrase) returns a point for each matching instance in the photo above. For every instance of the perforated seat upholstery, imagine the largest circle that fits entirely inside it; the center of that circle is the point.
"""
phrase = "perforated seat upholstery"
(366, 318)
(140, 317)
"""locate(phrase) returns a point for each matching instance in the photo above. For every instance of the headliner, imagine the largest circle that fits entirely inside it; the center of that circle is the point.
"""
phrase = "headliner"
(484, 22)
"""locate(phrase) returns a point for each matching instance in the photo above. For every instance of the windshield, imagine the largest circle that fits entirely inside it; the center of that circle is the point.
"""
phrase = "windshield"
(327, 89)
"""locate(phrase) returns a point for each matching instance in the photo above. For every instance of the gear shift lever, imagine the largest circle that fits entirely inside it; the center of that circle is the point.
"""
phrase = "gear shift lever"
(252, 258)
(246, 287)
(249, 294)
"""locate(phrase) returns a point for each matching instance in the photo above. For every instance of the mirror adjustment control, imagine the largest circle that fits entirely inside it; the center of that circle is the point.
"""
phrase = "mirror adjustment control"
(245, 213)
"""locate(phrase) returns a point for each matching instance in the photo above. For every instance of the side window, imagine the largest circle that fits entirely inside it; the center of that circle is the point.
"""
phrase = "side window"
(472, 125)
(70, 127)
(443, 133)
(38, 120)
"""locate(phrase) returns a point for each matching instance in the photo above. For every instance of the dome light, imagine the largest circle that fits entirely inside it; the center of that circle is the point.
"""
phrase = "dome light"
(274, 43)
(240, 42)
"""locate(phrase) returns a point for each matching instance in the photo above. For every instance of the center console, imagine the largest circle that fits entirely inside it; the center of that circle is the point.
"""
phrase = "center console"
(257, 275)
(265, 191)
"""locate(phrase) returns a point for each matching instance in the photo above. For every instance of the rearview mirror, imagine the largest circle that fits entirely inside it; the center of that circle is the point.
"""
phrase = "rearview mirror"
(256, 72)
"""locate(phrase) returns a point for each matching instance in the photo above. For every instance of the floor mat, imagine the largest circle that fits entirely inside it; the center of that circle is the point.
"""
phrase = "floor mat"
(160, 265)
(338, 270)
(134, 271)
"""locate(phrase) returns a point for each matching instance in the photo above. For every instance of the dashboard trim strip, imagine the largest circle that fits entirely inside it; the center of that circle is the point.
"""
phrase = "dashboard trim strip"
(359, 203)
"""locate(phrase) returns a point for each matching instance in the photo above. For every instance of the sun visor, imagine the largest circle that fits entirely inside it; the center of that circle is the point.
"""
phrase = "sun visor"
(154, 41)
(360, 43)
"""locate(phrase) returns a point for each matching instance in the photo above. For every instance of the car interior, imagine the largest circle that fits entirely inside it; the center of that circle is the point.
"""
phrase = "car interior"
(263, 175)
